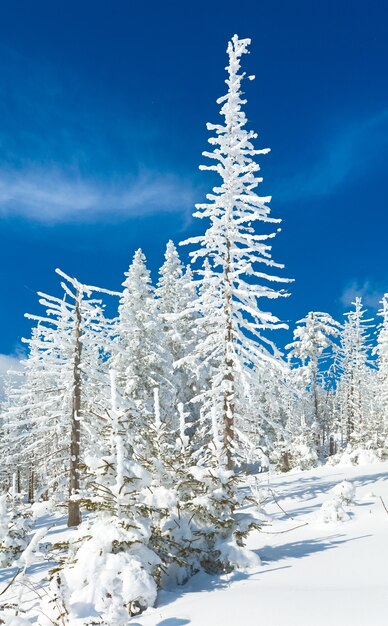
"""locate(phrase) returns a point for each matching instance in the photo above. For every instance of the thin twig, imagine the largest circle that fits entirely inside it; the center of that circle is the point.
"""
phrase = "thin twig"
(280, 532)
(277, 503)
(383, 503)
(10, 583)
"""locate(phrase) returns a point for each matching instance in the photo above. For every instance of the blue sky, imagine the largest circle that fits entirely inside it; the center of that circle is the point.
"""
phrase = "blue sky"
(103, 106)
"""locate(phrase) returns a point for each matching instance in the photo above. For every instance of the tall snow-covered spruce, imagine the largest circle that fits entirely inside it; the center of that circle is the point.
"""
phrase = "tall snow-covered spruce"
(240, 262)
(354, 391)
(381, 351)
(314, 344)
(141, 359)
(175, 294)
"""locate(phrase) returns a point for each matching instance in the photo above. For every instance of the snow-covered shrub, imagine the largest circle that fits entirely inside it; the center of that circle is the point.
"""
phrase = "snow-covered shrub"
(298, 453)
(192, 508)
(218, 525)
(44, 507)
(344, 491)
(14, 526)
(197, 525)
(200, 527)
(332, 512)
(109, 572)
(303, 455)
(357, 456)
(361, 456)
(107, 578)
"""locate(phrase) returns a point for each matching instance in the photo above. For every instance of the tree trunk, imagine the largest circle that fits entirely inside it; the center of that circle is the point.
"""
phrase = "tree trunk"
(74, 513)
(316, 408)
(229, 418)
(351, 417)
(31, 486)
(285, 462)
(229, 406)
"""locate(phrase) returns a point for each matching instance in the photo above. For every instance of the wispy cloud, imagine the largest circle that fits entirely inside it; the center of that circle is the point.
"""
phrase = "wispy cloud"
(371, 293)
(53, 196)
(345, 155)
(71, 152)
(9, 362)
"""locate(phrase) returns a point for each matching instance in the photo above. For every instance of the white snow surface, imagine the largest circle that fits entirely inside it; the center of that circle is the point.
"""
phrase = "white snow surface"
(311, 573)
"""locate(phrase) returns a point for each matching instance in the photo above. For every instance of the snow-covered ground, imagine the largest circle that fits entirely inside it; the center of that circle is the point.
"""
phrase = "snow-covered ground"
(313, 572)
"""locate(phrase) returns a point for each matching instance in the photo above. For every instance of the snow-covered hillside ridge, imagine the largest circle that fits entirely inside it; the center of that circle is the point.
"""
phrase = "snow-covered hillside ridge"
(323, 554)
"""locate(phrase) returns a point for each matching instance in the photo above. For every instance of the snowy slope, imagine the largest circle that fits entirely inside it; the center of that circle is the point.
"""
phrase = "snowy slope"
(313, 573)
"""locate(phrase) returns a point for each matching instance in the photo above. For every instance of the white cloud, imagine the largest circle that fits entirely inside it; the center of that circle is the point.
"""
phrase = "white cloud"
(66, 156)
(9, 362)
(370, 293)
(52, 196)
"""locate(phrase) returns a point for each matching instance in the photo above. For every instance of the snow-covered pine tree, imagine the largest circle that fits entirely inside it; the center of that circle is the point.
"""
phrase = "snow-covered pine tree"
(164, 454)
(381, 383)
(194, 508)
(27, 402)
(204, 360)
(175, 298)
(313, 346)
(299, 438)
(35, 411)
(354, 363)
(236, 253)
(110, 569)
(15, 522)
(140, 356)
(10, 450)
(64, 352)
(382, 355)
(279, 423)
